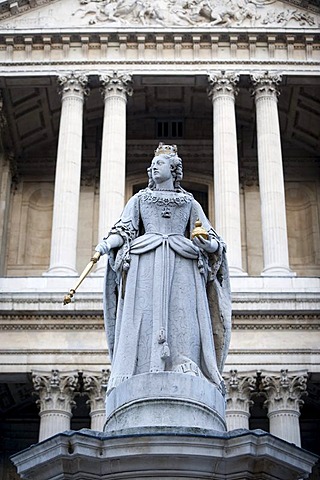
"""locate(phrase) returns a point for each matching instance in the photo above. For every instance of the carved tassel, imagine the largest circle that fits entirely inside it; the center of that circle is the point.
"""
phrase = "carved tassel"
(165, 351)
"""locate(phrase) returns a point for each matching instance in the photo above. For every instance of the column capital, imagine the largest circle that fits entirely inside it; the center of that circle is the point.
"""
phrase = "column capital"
(266, 84)
(222, 84)
(239, 387)
(95, 385)
(73, 83)
(116, 84)
(284, 391)
(56, 390)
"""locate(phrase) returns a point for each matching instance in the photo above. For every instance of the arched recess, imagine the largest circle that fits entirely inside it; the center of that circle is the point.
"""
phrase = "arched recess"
(37, 208)
(30, 229)
(303, 228)
(38, 228)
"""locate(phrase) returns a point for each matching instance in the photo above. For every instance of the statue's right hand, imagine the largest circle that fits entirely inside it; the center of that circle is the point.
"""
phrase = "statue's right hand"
(103, 247)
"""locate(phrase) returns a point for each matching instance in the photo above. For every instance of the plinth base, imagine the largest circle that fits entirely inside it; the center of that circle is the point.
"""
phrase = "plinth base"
(162, 453)
(166, 399)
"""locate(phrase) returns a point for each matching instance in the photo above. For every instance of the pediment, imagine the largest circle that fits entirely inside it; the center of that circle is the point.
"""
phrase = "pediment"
(141, 14)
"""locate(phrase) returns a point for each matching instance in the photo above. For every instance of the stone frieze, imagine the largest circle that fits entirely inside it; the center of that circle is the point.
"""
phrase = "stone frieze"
(163, 13)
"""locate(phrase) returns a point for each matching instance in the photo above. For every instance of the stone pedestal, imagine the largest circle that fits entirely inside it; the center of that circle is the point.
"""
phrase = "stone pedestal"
(162, 453)
(166, 399)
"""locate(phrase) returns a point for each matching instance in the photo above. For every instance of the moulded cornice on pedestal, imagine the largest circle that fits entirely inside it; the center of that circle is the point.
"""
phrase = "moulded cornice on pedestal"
(164, 453)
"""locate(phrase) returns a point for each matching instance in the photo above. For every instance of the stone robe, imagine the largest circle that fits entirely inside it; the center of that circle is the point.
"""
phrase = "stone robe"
(166, 304)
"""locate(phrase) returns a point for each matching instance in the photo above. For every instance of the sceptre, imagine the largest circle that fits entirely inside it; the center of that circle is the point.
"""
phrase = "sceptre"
(86, 271)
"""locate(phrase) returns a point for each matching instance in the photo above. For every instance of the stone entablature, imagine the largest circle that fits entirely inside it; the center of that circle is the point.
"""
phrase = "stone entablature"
(96, 53)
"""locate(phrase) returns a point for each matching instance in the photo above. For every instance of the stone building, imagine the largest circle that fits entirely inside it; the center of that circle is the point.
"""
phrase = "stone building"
(88, 89)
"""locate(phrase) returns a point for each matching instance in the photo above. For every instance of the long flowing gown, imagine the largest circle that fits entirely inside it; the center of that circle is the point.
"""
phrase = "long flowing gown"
(166, 303)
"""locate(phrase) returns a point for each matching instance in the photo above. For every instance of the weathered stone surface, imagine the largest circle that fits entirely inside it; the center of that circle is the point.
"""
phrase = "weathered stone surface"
(165, 399)
(164, 453)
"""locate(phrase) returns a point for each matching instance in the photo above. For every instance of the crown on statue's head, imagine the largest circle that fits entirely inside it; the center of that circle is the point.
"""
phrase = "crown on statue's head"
(166, 149)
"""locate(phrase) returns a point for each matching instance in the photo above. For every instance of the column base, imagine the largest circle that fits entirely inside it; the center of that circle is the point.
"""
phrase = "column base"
(165, 399)
(60, 272)
(237, 272)
(277, 271)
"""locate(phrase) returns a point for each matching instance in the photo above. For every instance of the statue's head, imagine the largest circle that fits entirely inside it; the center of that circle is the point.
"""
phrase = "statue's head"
(170, 153)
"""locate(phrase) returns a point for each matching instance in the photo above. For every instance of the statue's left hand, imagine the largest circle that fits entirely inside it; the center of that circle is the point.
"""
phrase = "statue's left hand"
(209, 246)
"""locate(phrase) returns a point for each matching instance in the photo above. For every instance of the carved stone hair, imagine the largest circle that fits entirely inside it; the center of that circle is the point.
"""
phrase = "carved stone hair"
(176, 170)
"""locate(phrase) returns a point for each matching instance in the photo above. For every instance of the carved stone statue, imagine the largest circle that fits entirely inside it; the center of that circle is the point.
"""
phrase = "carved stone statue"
(167, 300)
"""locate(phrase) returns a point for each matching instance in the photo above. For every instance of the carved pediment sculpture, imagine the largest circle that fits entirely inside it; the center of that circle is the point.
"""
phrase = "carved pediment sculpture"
(163, 13)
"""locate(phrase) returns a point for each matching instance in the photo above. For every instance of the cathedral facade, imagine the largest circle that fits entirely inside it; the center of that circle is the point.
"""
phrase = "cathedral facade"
(88, 90)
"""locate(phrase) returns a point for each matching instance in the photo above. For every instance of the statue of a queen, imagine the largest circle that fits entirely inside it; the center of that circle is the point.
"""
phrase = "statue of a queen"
(167, 302)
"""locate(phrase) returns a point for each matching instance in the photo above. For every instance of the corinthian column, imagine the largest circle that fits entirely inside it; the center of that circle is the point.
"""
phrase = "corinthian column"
(239, 388)
(67, 181)
(56, 393)
(115, 88)
(95, 386)
(284, 394)
(222, 90)
(273, 210)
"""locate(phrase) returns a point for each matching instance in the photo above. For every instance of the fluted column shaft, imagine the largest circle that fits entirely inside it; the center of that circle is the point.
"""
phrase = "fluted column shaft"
(238, 392)
(5, 189)
(271, 180)
(116, 88)
(225, 157)
(56, 392)
(67, 181)
(284, 394)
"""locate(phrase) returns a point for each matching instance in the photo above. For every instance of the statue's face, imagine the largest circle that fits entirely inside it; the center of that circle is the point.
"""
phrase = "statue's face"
(160, 169)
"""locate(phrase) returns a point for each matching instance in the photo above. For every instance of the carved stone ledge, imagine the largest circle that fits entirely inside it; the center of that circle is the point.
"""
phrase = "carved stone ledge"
(50, 322)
